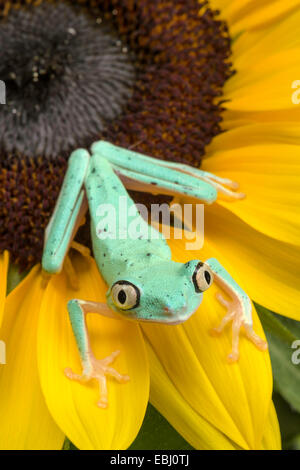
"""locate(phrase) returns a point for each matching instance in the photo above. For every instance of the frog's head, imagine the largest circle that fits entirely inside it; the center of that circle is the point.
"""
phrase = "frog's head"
(166, 292)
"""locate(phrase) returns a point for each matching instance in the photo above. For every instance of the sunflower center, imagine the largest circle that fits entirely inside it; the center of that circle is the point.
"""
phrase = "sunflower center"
(142, 74)
(66, 75)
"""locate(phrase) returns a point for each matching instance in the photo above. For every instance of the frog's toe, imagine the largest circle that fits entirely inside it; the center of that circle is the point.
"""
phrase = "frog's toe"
(225, 186)
(77, 377)
(261, 344)
(233, 357)
(236, 316)
(226, 319)
(99, 369)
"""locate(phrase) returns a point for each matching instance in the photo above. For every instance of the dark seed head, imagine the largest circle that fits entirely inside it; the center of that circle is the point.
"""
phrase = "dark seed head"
(142, 74)
(66, 76)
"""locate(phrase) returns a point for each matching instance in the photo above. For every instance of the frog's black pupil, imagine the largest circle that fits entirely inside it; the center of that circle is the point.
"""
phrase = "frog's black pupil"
(122, 297)
(207, 277)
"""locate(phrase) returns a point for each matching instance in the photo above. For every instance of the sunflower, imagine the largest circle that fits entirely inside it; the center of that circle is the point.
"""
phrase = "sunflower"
(201, 83)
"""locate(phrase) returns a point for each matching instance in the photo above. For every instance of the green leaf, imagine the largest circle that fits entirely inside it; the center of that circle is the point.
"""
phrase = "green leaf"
(68, 445)
(14, 277)
(289, 422)
(294, 444)
(281, 333)
(157, 434)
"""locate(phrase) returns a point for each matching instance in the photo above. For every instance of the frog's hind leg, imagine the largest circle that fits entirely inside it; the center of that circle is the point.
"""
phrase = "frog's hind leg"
(69, 211)
(84, 250)
(92, 368)
(142, 173)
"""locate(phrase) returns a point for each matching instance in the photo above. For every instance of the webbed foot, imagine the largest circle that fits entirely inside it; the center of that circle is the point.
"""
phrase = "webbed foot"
(236, 315)
(99, 369)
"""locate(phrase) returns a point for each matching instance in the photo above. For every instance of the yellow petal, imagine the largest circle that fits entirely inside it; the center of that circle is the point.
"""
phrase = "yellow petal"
(262, 14)
(234, 119)
(270, 89)
(4, 261)
(254, 135)
(266, 68)
(272, 439)
(189, 423)
(261, 90)
(251, 14)
(73, 405)
(251, 48)
(25, 420)
(165, 396)
(269, 175)
(233, 399)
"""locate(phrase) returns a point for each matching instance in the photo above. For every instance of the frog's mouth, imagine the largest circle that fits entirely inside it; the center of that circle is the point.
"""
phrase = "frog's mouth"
(170, 318)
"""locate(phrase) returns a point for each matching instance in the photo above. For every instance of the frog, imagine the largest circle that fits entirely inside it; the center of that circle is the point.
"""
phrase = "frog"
(144, 283)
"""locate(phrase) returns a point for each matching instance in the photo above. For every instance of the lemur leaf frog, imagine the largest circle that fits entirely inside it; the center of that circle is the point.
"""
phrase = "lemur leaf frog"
(144, 283)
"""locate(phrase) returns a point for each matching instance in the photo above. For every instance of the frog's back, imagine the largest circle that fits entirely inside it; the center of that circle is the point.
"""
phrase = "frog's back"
(117, 245)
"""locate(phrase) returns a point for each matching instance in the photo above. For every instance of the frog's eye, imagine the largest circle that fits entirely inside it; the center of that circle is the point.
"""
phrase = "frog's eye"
(202, 277)
(125, 295)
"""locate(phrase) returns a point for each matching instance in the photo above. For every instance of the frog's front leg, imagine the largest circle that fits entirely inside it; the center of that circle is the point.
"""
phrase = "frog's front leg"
(92, 368)
(239, 310)
(70, 208)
